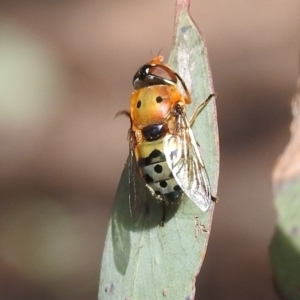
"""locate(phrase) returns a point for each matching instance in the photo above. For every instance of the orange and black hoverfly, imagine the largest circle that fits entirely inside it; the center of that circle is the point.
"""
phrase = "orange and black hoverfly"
(163, 149)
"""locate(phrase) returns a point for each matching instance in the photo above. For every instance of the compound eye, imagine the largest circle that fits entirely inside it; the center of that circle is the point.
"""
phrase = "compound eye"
(137, 75)
(153, 74)
(163, 72)
(140, 77)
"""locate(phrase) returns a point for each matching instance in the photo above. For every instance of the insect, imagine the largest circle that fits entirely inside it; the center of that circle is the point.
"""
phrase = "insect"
(162, 147)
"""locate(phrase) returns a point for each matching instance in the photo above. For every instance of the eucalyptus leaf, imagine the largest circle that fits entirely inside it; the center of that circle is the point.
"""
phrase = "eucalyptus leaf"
(143, 260)
(285, 245)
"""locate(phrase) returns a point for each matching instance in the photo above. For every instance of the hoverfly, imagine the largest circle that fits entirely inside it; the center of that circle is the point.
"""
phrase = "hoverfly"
(162, 146)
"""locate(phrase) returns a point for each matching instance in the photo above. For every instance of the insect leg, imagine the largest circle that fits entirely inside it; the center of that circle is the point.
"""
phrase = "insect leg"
(123, 112)
(188, 98)
(199, 108)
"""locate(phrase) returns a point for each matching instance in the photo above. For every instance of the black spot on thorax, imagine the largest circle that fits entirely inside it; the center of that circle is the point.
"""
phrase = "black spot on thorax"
(159, 99)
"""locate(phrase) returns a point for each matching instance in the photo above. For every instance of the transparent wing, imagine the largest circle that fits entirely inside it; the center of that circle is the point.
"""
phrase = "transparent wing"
(184, 159)
(138, 194)
(145, 209)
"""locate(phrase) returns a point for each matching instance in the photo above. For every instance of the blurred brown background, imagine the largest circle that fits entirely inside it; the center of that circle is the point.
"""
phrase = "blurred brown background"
(66, 69)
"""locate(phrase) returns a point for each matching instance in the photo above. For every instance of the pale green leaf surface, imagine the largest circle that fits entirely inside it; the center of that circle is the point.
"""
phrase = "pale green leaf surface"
(285, 246)
(143, 260)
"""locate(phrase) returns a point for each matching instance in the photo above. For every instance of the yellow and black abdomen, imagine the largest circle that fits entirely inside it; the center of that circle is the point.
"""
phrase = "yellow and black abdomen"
(155, 170)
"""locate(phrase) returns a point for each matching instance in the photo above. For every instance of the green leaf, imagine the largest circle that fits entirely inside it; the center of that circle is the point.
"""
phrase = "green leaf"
(285, 246)
(143, 260)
